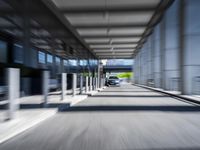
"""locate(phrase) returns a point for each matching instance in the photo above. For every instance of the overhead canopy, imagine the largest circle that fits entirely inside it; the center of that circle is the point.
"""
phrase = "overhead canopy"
(110, 28)
(33, 25)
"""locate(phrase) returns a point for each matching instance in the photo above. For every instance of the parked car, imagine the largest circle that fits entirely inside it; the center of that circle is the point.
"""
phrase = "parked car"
(113, 80)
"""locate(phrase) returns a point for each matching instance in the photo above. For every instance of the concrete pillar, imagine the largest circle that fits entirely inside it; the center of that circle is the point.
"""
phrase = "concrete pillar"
(90, 83)
(137, 69)
(149, 62)
(93, 83)
(86, 84)
(157, 57)
(190, 47)
(143, 67)
(74, 84)
(97, 84)
(81, 84)
(45, 79)
(64, 85)
(99, 75)
(13, 79)
(102, 83)
(171, 76)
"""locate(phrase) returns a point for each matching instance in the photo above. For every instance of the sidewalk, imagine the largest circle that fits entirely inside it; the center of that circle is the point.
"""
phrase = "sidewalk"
(25, 119)
(195, 99)
(32, 113)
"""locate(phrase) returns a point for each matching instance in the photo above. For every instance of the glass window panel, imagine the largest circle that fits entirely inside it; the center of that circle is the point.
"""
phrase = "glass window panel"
(18, 53)
(41, 57)
(65, 63)
(57, 60)
(72, 62)
(49, 58)
(3, 52)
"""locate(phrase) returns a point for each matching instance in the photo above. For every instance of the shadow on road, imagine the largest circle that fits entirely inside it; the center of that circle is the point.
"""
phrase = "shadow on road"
(133, 108)
(133, 96)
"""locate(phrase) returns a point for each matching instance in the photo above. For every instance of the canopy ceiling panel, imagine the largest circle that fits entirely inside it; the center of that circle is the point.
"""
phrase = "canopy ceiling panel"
(85, 4)
(111, 25)
(116, 50)
(106, 18)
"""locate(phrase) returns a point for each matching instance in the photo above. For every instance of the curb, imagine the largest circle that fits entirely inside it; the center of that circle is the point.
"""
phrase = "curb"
(179, 97)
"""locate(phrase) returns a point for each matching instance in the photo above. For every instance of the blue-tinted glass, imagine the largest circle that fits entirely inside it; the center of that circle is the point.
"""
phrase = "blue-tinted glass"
(18, 53)
(3, 52)
(41, 57)
(113, 62)
(83, 62)
(49, 58)
(192, 17)
(57, 60)
(72, 62)
(65, 63)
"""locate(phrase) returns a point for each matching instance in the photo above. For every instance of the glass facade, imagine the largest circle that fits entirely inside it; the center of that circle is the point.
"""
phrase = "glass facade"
(65, 62)
(191, 49)
(3, 52)
(73, 62)
(18, 53)
(49, 58)
(58, 60)
(41, 57)
(83, 62)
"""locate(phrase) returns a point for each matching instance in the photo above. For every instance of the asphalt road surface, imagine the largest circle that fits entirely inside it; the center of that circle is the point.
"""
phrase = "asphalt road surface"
(118, 118)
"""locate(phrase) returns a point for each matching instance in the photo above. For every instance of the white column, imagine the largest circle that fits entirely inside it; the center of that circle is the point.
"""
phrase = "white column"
(64, 85)
(100, 83)
(45, 86)
(93, 83)
(103, 82)
(157, 57)
(97, 84)
(99, 75)
(190, 54)
(172, 48)
(86, 84)
(90, 83)
(81, 84)
(13, 76)
(74, 84)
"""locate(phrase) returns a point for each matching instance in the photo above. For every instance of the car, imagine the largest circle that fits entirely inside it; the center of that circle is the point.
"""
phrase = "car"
(113, 80)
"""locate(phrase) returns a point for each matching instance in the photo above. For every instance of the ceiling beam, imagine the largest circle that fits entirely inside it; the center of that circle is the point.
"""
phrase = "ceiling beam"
(106, 43)
(104, 9)
(116, 48)
(132, 25)
(113, 36)
(123, 51)
(113, 57)
(115, 53)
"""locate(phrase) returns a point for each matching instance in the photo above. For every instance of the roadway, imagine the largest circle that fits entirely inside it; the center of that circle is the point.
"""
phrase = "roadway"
(118, 118)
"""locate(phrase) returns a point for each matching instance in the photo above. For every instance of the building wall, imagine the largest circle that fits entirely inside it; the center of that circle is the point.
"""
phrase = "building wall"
(172, 58)
(192, 47)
